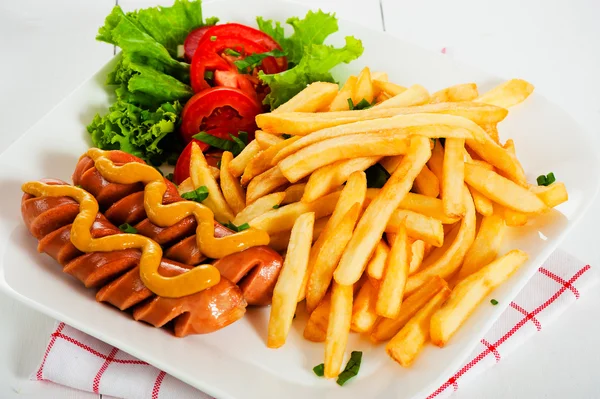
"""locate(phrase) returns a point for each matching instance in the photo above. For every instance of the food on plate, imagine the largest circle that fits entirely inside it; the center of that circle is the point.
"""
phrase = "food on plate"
(76, 225)
(378, 207)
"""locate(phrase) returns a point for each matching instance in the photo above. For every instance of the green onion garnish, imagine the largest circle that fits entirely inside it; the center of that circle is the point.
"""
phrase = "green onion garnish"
(127, 228)
(352, 368)
(213, 38)
(198, 195)
(319, 370)
(546, 180)
(494, 302)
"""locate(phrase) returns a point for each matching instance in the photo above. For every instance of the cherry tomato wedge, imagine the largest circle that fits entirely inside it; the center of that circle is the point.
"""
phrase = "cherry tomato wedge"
(191, 41)
(182, 167)
(219, 107)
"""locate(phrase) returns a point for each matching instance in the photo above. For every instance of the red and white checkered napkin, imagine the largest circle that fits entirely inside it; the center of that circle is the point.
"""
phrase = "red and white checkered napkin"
(77, 360)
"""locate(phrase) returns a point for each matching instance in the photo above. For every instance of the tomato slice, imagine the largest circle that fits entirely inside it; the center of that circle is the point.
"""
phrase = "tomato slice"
(243, 31)
(191, 42)
(182, 167)
(219, 107)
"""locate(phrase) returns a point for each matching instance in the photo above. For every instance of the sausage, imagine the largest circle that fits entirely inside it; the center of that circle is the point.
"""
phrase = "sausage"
(117, 273)
(255, 269)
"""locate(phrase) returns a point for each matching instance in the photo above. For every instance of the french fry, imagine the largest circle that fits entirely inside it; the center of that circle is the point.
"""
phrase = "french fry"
(338, 328)
(509, 146)
(373, 222)
(379, 75)
(186, 186)
(414, 95)
(408, 343)
(381, 97)
(363, 87)
(391, 290)
(486, 246)
(453, 177)
(468, 293)
(391, 163)
(492, 130)
(456, 93)
(264, 184)
(326, 152)
(282, 219)
(316, 96)
(483, 204)
(552, 195)
(290, 279)
(303, 123)
(427, 183)
(201, 176)
(267, 140)
(376, 265)
(326, 252)
(316, 327)
(511, 217)
(503, 191)
(294, 193)
(500, 158)
(419, 203)
(232, 190)
(417, 254)
(418, 226)
(445, 260)
(262, 161)
(363, 310)
(388, 88)
(507, 94)
(238, 164)
(428, 125)
(436, 162)
(280, 240)
(329, 178)
(259, 207)
(340, 102)
(385, 329)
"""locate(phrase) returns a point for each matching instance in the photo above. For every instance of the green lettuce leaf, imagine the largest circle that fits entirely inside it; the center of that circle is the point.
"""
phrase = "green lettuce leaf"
(145, 86)
(309, 59)
(136, 130)
(169, 26)
(317, 61)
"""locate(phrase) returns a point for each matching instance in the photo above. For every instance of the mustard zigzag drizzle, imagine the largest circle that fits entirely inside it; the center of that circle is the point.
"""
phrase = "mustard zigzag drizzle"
(197, 279)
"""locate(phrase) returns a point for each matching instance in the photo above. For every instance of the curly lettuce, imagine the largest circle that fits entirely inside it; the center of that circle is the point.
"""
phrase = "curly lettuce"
(150, 83)
(309, 59)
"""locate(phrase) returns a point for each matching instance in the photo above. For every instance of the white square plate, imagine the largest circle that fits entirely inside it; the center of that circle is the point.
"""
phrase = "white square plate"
(234, 362)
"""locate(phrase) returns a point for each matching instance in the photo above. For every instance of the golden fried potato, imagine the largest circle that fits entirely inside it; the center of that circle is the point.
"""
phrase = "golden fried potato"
(391, 290)
(338, 328)
(454, 94)
(486, 246)
(414, 95)
(315, 97)
(453, 177)
(507, 94)
(468, 293)
(232, 190)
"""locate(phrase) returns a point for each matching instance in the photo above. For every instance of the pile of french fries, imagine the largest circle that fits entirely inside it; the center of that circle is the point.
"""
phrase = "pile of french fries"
(406, 263)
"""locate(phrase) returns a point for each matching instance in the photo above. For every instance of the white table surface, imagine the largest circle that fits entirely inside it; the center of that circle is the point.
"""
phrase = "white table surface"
(47, 49)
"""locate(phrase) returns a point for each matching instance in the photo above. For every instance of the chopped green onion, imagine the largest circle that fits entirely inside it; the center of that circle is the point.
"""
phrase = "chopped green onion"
(254, 60)
(232, 52)
(219, 164)
(377, 176)
(352, 368)
(169, 177)
(546, 180)
(276, 206)
(198, 195)
(208, 75)
(127, 228)
(213, 38)
(235, 228)
(235, 146)
(286, 136)
(350, 104)
(494, 302)
(319, 370)
(362, 104)
(79, 186)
